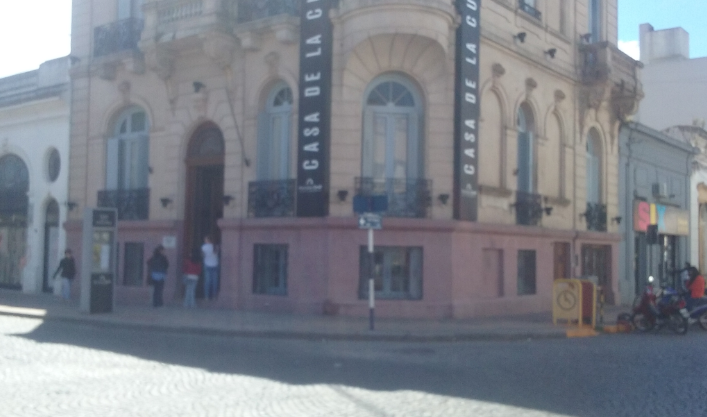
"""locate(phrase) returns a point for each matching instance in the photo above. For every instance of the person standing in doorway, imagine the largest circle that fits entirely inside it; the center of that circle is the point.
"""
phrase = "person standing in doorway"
(157, 267)
(192, 270)
(208, 251)
(67, 266)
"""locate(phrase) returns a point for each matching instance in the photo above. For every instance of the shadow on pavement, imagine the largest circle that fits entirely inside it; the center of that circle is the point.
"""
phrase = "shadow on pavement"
(509, 373)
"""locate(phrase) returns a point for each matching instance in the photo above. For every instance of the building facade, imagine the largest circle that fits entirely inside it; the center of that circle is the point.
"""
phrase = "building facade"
(491, 128)
(34, 153)
(655, 171)
(676, 90)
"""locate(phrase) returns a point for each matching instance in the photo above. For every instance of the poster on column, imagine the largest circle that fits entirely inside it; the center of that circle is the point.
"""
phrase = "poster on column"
(314, 109)
(466, 111)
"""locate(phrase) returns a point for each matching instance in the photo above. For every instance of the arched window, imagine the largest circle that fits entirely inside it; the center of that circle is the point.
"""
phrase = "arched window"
(274, 135)
(128, 150)
(392, 142)
(594, 164)
(526, 165)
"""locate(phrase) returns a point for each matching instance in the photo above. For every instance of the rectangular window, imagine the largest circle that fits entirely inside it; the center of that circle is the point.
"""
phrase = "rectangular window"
(530, 7)
(526, 272)
(133, 264)
(595, 20)
(397, 272)
(270, 269)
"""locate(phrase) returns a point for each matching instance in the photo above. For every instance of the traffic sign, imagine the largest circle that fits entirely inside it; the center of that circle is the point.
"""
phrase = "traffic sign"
(370, 221)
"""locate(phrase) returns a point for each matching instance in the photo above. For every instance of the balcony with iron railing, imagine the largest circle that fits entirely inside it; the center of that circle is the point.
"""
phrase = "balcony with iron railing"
(595, 217)
(528, 208)
(604, 65)
(406, 197)
(119, 36)
(529, 9)
(131, 204)
(274, 198)
(251, 10)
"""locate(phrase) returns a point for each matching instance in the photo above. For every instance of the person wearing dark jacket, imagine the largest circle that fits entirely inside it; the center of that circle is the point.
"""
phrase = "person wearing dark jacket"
(67, 266)
(157, 267)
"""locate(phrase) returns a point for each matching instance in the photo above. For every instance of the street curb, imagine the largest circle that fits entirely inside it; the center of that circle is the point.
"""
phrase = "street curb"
(288, 335)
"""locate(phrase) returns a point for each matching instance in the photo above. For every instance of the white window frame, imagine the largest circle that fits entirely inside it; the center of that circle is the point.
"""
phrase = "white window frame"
(128, 154)
(274, 146)
(414, 166)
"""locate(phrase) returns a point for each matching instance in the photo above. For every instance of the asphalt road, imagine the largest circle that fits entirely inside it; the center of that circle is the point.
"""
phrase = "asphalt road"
(69, 369)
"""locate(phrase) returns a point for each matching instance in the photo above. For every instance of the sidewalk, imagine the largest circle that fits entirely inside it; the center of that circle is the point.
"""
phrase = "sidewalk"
(312, 327)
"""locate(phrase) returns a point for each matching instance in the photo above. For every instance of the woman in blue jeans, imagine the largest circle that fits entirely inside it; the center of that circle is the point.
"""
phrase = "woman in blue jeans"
(157, 267)
(210, 268)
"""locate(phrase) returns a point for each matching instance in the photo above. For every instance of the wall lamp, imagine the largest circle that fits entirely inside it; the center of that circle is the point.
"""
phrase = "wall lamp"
(71, 205)
(616, 219)
(227, 199)
(198, 85)
(342, 194)
(548, 210)
(551, 52)
(520, 37)
(443, 198)
(165, 201)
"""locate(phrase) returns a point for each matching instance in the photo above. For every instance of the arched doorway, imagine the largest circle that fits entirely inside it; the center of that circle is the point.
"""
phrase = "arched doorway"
(204, 194)
(14, 184)
(51, 244)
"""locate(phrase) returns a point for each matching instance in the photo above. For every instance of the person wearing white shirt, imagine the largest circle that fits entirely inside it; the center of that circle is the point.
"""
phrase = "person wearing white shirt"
(210, 268)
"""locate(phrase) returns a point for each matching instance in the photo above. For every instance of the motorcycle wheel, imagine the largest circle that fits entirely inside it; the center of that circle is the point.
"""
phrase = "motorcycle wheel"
(678, 323)
(703, 320)
(641, 323)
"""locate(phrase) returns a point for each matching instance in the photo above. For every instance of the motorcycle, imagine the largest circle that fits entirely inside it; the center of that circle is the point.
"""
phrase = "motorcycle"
(699, 313)
(657, 307)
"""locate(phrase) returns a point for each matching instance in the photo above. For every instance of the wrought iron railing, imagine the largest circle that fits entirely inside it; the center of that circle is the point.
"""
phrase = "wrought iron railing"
(271, 198)
(406, 197)
(122, 35)
(250, 10)
(596, 217)
(528, 207)
(524, 6)
(169, 12)
(131, 204)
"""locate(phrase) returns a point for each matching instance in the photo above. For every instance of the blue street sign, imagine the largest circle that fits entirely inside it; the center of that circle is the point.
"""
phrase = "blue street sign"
(370, 203)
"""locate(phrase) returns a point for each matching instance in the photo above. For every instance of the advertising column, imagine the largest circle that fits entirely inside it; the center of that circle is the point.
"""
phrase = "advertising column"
(98, 260)
(314, 109)
(466, 111)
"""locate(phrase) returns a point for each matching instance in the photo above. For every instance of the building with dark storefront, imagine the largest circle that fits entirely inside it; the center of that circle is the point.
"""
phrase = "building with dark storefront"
(654, 185)
(490, 127)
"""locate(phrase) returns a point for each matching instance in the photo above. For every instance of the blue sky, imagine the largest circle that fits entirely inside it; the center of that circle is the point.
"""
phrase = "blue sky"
(34, 31)
(663, 14)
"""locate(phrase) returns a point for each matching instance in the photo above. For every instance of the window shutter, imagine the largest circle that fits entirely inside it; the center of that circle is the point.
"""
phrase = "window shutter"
(367, 152)
(284, 144)
(524, 166)
(262, 170)
(112, 163)
(142, 143)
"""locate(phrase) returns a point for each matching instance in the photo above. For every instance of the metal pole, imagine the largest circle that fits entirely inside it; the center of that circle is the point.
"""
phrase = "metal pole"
(371, 282)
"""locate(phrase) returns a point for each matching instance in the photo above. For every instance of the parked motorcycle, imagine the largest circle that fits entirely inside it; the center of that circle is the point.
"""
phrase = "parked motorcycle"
(699, 313)
(657, 307)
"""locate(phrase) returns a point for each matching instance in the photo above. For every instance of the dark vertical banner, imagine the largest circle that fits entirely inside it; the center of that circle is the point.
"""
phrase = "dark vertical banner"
(466, 111)
(314, 109)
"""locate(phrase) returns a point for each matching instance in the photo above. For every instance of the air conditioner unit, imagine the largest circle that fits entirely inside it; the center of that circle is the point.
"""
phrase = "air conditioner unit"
(660, 189)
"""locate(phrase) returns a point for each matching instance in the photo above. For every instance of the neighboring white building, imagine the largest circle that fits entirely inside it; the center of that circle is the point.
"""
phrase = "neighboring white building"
(34, 155)
(676, 102)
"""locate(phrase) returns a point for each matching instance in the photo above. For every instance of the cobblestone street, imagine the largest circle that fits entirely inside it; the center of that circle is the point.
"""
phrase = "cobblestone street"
(69, 369)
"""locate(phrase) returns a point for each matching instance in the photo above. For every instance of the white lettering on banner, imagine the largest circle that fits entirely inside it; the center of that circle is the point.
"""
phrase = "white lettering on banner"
(310, 165)
(314, 14)
(469, 96)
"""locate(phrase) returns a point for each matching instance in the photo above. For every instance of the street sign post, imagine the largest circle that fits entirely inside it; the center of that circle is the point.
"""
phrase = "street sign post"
(369, 208)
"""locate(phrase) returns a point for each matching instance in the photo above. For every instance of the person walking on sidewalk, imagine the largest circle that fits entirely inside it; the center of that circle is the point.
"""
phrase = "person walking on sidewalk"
(210, 268)
(192, 270)
(157, 267)
(67, 266)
